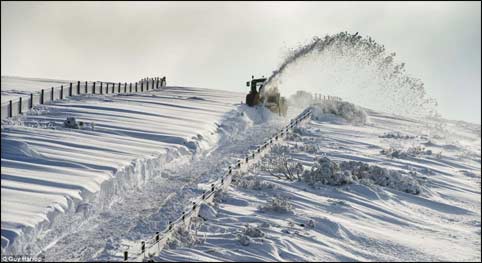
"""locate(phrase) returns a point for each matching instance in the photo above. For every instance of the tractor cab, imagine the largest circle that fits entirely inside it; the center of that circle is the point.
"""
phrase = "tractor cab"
(256, 85)
(271, 99)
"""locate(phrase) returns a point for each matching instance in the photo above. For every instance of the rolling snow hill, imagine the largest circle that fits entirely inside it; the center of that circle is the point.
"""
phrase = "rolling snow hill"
(365, 185)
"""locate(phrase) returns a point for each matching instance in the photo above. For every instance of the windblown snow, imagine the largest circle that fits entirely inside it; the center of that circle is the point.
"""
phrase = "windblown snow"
(48, 169)
(328, 193)
(350, 184)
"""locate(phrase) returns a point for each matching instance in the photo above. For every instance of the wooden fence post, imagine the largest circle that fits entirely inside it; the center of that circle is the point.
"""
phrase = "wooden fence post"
(125, 255)
(10, 111)
(20, 105)
(125, 87)
(70, 90)
(119, 88)
(42, 97)
(142, 86)
(78, 87)
(136, 86)
(52, 94)
(130, 87)
(113, 88)
(93, 88)
(107, 88)
(61, 92)
(101, 91)
(31, 100)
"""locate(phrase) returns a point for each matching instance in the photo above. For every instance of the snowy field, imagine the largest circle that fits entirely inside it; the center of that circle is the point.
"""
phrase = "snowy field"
(349, 185)
(14, 87)
(49, 170)
(394, 189)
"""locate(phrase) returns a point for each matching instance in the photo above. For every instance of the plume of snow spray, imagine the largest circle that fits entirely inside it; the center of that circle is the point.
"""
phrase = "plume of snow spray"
(356, 69)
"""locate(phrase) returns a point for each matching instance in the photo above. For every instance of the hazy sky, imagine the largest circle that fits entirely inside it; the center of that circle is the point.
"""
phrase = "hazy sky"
(221, 44)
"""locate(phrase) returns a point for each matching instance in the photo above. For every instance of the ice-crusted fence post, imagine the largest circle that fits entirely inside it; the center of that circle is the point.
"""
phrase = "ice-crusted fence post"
(119, 88)
(78, 87)
(125, 87)
(113, 87)
(101, 91)
(70, 89)
(93, 88)
(20, 105)
(52, 94)
(142, 86)
(86, 90)
(31, 100)
(130, 87)
(136, 86)
(61, 92)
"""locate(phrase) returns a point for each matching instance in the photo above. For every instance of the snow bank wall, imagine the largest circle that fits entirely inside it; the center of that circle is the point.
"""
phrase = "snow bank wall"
(53, 176)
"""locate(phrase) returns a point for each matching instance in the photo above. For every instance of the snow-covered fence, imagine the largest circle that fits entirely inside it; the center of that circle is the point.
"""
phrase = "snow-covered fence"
(20, 105)
(155, 244)
(320, 97)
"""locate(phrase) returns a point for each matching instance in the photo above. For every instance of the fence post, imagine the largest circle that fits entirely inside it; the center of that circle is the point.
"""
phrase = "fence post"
(130, 87)
(42, 97)
(142, 86)
(125, 87)
(70, 90)
(52, 94)
(61, 92)
(101, 91)
(125, 256)
(113, 88)
(20, 105)
(136, 86)
(10, 111)
(143, 247)
(119, 87)
(93, 88)
(107, 88)
(86, 87)
(31, 100)
(78, 87)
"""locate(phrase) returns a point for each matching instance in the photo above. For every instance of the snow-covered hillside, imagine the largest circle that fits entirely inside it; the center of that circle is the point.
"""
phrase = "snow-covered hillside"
(48, 170)
(14, 87)
(356, 199)
(351, 184)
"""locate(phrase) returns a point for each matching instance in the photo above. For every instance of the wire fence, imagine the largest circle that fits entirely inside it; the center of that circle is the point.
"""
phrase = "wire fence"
(153, 246)
(23, 104)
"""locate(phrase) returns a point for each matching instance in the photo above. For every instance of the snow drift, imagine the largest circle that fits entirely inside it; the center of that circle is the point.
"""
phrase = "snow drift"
(346, 110)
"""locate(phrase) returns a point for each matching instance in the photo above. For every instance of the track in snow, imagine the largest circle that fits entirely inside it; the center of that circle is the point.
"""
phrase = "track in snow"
(149, 209)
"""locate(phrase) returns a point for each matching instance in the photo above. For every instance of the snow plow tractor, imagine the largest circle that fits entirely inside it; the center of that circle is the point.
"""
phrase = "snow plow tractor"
(271, 98)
